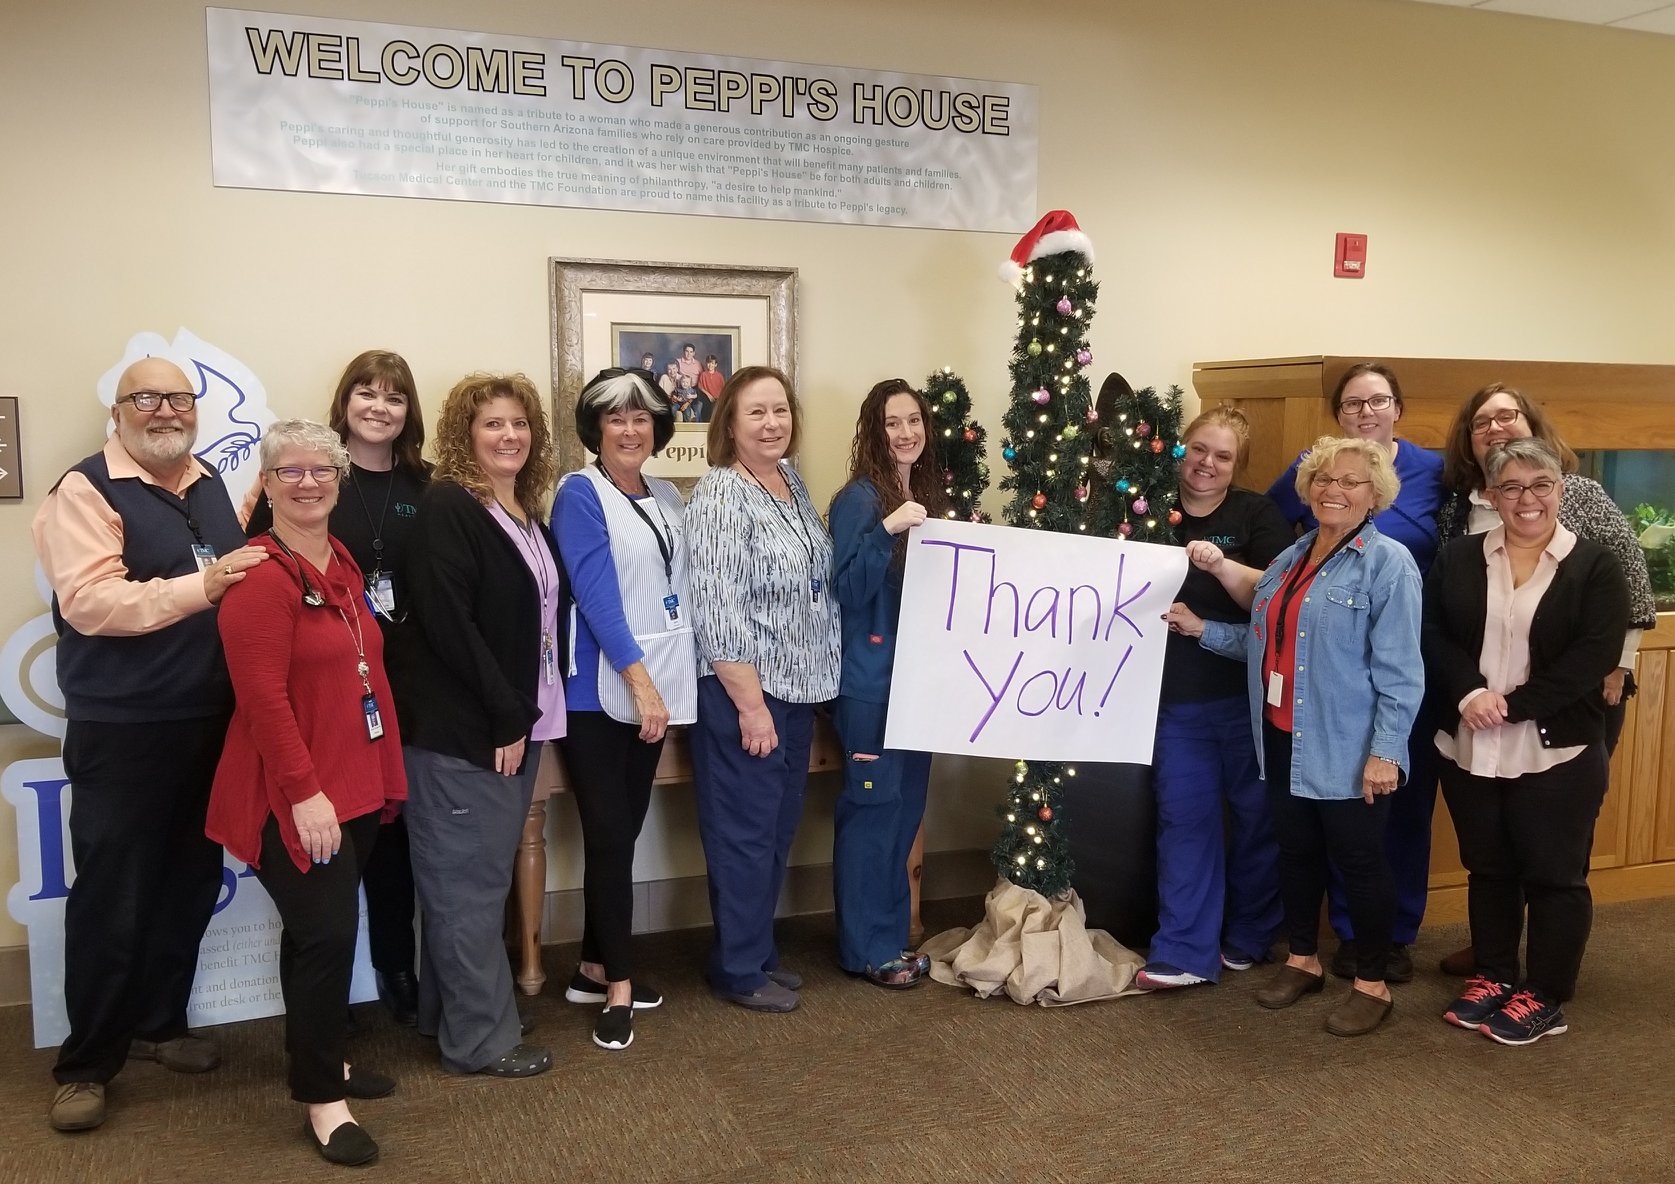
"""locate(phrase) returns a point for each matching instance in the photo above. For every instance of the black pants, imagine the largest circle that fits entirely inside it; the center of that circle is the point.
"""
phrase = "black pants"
(388, 881)
(321, 911)
(146, 883)
(610, 770)
(1350, 834)
(1527, 839)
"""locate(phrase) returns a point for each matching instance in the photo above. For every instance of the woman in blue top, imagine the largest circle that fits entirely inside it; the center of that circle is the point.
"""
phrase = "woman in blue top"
(1334, 676)
(895, 482)
(1367, 403)
(632, 669)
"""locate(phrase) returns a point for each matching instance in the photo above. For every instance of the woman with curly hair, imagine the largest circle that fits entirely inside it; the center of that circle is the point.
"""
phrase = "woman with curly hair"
(895, 483)
(483, 693)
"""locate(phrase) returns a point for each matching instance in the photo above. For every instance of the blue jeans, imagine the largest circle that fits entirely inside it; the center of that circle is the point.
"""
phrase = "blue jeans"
(748, 809)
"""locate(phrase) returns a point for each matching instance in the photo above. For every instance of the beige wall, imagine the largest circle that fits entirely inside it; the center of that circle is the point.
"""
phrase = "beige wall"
(1516, 178)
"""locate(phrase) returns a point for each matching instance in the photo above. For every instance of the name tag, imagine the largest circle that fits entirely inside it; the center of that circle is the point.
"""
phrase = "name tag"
(816, 588)
(380, 590)
(1276, 688)
(204, 556)
(374, 720)
(671, 611)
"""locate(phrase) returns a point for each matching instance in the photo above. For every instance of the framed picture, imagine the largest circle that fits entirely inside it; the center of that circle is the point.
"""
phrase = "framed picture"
(697, 323)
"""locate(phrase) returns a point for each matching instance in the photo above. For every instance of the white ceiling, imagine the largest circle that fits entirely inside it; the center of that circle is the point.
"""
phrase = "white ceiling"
(1647, 16)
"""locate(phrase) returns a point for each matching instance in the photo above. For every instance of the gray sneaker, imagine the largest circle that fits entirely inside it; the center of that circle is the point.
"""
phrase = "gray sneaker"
(770, 996)
(78, 1106)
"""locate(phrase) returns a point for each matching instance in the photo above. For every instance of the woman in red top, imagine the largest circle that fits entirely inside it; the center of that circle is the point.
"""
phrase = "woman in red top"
(312, 760)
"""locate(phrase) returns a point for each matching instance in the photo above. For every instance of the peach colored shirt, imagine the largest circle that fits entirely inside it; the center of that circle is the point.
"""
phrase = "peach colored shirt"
(79, 540)
(1510, 750)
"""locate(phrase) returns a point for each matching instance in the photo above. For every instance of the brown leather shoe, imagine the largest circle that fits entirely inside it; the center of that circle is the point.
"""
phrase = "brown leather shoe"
(1289, 985)
(1461, 963)
(1358, 1014)
(183, 1054)
(78, 1106)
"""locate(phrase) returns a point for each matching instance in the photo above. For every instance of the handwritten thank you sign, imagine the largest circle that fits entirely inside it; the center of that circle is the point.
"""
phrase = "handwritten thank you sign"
(1028, 644)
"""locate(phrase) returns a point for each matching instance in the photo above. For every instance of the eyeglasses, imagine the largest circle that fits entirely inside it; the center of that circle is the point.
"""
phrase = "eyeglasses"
(1504, 418)
(1512, 490)
(149, 401)
(292, 475)
(1349, 484)
(1375, 403)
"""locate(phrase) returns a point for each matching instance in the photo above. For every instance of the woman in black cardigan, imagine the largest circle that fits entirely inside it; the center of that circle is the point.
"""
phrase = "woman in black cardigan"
(1521, 626)
(481, 694)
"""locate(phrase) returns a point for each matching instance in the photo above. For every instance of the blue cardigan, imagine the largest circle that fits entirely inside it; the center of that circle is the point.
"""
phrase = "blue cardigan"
(867, 586)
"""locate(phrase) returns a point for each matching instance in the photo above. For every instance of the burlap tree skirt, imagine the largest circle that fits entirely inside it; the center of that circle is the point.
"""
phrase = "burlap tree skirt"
(1036, 950)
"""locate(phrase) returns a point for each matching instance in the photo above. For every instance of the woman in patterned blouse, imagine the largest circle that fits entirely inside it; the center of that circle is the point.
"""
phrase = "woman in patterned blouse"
(767, 630)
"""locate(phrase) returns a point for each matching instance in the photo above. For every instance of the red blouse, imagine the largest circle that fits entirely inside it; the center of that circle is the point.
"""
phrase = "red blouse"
(298, 728)
(1285, 605)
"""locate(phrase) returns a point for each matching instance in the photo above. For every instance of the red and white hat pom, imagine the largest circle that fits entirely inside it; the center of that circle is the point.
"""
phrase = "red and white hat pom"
(1055, 234)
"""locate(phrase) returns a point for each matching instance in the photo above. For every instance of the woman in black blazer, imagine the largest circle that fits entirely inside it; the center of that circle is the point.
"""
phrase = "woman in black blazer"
(482, 693)
(1522, 625)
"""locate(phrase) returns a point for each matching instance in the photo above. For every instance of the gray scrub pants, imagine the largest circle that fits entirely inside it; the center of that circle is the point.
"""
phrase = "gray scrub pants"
(464, 822)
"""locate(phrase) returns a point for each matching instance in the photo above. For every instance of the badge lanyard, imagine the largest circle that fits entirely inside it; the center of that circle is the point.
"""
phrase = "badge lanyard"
(379, 586)
(549, 650)
(814, 581)
(1294, 584)
(181, 503)
(313, 599)
(665, 543)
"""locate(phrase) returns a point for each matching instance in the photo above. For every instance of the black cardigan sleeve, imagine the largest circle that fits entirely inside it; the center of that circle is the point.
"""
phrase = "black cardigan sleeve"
(446, 568)
(1453, 619)
(1593, 638)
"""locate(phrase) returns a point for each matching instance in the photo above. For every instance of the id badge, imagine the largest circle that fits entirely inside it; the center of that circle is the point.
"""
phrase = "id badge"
(1276, 688)
(204, 556)
(671, 611)
(381, 590)
(374, 720)
(549, 659)
(815, 586)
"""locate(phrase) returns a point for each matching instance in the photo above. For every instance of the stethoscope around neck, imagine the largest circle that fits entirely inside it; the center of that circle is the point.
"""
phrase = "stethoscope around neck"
(311, 596)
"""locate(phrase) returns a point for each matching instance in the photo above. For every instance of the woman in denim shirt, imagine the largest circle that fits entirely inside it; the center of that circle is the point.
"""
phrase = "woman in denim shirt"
(1332, 653)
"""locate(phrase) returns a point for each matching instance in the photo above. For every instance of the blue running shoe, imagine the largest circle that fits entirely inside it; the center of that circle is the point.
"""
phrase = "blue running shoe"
(1526, 1018)
(1481, 999)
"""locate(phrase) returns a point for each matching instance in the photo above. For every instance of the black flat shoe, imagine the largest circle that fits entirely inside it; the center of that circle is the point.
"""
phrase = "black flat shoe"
(349, 1146)
(399, 991)
(364, 1083)
(524, 1060)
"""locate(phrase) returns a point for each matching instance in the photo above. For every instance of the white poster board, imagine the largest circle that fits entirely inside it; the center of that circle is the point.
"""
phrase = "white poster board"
(1030, 644)
(318, 105)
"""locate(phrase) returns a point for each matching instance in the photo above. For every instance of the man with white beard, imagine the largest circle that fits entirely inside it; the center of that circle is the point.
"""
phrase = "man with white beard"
(139, 542)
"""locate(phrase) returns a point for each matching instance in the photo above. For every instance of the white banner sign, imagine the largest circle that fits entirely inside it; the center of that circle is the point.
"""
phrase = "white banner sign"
(1030, 644)
(333, 106)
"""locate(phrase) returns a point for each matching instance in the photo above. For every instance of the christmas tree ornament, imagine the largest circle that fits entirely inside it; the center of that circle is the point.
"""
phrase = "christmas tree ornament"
(1084, 357)
(1039, 501)
(1071, 431)
(1142, 429)
(1140, 505)
(1122, 485)
(949, 395)
(1064, 306)
(1092, 416)
(1125, 529)
(970, 435)
(1174, 517)
(1010, 453)
(1033, 349)
(1081, 493)
(1041, 395)
(1178, 451)
(1045, 813)
(1157, 444)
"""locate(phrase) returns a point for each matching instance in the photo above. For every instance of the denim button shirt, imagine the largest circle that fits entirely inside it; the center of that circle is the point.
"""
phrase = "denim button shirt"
(1359, 677)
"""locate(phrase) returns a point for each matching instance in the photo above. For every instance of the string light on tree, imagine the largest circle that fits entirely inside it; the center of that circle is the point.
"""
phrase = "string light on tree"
(964, 445)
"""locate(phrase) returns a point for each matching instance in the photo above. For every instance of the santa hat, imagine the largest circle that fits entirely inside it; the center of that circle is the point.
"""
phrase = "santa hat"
(1055, 234)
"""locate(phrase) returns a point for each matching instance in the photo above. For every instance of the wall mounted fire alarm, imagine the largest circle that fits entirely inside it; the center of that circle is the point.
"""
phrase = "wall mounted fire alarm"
(1349, 261)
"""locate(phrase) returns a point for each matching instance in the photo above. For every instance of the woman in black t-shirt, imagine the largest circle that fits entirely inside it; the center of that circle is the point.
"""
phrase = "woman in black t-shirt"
(375, 410)
(1218, 894)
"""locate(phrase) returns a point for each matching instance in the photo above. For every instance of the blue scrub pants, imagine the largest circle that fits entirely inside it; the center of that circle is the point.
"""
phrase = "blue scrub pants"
(748, 809)
(874, 822)
(1217, 858)
(1407, 839)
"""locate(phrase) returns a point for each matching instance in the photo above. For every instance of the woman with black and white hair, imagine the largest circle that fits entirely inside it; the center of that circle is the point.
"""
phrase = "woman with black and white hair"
(632, 669)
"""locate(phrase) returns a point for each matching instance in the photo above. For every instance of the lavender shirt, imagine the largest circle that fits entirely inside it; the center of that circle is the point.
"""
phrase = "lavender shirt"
(539, 559)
